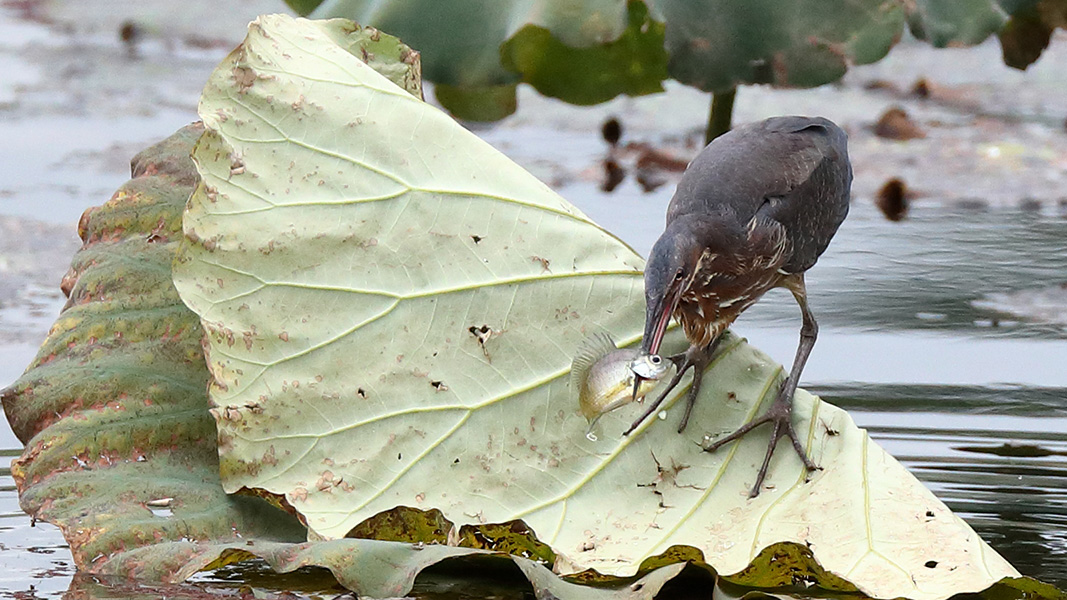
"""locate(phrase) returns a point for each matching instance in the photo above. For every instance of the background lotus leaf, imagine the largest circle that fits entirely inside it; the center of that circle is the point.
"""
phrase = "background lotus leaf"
(477, 51)
(391, 308)
(460, 40)
(961, 22)
(1026, 35)
(717, 45)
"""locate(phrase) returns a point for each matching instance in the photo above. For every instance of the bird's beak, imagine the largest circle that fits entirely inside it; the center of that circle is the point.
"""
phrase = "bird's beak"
(657, 317)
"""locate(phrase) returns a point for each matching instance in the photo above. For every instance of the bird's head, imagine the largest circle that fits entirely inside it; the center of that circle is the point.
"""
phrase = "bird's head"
(669, 272)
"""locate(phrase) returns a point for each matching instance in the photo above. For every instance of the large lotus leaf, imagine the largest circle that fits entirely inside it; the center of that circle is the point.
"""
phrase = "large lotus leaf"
(716, 45)
(121, 451)
(120, 448)
(391, 308)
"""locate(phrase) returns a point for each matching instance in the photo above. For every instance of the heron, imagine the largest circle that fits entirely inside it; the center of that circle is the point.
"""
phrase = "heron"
(752, 212)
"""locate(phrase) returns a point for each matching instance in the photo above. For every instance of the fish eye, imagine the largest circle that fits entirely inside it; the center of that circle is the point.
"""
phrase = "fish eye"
(655, 359)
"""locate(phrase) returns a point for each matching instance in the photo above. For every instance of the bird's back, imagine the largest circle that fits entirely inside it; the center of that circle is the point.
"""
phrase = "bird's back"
(792, 170)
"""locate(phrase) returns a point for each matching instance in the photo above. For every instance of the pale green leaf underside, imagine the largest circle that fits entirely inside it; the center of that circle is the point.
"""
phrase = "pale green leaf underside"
(344, 243)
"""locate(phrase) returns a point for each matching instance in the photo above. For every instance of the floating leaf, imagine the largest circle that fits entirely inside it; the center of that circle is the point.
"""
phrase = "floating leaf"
(391, 312)
(121, 449)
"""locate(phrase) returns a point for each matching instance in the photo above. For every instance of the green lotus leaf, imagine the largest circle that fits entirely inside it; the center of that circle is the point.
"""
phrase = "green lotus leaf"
(716, 45)
(960, 22)
(391, 307)
(461, 40)
(1026, 35)
(635, 64)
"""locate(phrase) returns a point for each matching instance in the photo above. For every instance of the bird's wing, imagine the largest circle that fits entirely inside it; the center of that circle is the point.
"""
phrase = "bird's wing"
(792, 170)
(816, 198)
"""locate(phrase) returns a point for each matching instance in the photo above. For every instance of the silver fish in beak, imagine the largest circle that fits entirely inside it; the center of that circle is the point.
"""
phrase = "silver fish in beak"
(605, 376)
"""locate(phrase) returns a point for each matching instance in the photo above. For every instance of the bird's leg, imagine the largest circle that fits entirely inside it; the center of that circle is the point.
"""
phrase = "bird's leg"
(699, 359)
(693, 357)
(781, 411)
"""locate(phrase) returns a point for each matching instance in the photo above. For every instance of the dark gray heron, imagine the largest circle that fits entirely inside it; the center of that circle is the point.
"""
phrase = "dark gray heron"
(753, 211)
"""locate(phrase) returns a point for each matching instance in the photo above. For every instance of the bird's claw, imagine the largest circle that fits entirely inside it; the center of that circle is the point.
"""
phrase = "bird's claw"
(780, 416)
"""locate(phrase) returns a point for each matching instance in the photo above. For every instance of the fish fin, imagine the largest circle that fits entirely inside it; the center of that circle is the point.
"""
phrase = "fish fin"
(590, 350)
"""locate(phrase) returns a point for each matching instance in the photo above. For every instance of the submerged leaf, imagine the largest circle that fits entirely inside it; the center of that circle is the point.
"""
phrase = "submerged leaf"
(391, 313)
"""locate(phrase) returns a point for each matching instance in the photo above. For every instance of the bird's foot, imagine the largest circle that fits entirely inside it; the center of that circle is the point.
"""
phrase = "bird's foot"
(779, 415)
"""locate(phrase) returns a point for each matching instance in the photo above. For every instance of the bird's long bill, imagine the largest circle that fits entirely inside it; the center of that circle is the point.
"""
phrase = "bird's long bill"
(658, 317)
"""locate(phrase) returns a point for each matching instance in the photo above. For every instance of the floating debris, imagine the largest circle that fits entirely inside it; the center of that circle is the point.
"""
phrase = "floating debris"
(895, 124)
(893, 199)
(611, 131)
(613, 175)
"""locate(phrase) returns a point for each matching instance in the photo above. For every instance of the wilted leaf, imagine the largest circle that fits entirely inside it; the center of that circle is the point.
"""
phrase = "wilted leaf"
(391, 314)
(120, 448)
(1028, 32)
(121, 451)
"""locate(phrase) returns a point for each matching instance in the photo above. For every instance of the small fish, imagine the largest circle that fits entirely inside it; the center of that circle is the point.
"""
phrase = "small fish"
(604, 376)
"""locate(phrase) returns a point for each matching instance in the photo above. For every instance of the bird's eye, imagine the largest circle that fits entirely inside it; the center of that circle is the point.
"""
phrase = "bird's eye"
(679, 275)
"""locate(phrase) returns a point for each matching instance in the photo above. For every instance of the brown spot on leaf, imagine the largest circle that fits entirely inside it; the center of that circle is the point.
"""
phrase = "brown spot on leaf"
(244, 78)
